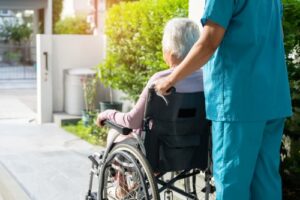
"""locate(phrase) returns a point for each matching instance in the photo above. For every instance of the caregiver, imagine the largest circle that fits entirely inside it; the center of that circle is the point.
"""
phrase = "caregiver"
(247, 94)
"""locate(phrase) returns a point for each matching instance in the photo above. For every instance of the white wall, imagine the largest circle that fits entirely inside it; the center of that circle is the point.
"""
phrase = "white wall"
(196, 8)
(44, 78)
(72, 51)
(82, 7)
(68, 9)
(22, 4)
(75, 7)
(48, 17)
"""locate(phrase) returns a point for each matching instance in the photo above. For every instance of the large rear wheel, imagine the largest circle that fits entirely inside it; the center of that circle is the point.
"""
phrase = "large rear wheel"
(127, 175)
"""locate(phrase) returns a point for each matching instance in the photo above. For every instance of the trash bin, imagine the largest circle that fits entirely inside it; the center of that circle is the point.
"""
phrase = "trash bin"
(74, 98)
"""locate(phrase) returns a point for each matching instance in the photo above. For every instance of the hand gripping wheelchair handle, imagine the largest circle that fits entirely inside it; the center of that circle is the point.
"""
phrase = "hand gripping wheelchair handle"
(121, 129)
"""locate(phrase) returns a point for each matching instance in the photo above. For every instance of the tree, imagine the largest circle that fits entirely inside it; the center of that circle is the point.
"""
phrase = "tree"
(73, 25)
(110, 3)
(57, 7)
(134, 50)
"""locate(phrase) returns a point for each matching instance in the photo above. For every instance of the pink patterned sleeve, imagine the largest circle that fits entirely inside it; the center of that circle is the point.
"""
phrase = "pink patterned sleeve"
(132, 119)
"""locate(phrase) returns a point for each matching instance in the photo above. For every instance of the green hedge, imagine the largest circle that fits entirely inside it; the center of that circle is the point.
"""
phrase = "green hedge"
(57, 7)
(73, 25)
(134, 53)
(92, 134)
(16, 33)
(290, 165)
(110, 3)
(291, 28)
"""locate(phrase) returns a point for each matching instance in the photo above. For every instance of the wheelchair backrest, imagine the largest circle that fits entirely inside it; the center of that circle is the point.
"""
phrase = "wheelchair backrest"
(176, 131)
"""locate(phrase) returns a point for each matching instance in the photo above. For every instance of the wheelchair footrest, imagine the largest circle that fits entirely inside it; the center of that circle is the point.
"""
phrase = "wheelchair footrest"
(91, 196)
(168, 195)
(95, 157)
(94, 161)
(212, 189)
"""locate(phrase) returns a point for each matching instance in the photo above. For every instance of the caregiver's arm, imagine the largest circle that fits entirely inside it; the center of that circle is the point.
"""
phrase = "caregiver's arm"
(200, 53)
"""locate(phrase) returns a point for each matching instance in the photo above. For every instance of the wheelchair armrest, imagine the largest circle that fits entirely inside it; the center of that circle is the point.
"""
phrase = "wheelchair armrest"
(121, 129)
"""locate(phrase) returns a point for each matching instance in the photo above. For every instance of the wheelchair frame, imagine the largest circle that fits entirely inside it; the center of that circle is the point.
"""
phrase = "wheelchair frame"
(98, 161)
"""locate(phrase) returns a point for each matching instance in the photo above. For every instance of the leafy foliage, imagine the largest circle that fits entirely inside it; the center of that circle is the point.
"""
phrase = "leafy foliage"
(73, 25)
(12, 57)
(92, 134)
(291, 27)
(134, 50)
(16, 32)
(89, 92)
(57, 7)
(5, 30)
(20, 32)
(110, 3)
(291, 141)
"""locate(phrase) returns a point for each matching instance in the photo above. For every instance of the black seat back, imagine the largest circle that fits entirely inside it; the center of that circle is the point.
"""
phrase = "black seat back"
(177, 132)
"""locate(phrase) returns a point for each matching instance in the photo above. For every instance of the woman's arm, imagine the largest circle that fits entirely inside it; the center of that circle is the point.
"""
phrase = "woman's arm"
(132, 119)
(200, 53)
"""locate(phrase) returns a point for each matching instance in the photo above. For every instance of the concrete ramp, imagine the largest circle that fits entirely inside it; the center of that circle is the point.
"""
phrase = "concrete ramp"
(43, 162)
(10, 189)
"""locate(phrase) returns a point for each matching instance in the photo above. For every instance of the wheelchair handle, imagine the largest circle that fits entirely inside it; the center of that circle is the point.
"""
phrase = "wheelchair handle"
(171, 90)
(121, 129)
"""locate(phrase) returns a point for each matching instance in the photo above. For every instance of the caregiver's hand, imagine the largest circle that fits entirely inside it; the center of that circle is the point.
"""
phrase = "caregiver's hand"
(163, 85)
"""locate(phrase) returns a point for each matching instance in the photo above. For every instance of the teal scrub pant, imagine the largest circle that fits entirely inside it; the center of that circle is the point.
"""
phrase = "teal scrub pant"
(246, 157)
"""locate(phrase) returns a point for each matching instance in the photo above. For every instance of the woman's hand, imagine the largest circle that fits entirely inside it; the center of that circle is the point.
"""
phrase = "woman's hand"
(100, 120)
(163, 85)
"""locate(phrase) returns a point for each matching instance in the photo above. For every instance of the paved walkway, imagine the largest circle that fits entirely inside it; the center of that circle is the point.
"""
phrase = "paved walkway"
(17, 72)
(17, 84)
(44, 161)
(40, 162)
(17, 105)
(9, 187)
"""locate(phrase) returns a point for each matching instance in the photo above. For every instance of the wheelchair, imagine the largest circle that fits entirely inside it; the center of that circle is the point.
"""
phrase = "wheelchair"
(173, 148)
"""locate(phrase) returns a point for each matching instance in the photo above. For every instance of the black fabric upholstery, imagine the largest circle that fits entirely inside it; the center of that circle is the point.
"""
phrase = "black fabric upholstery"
(177, 132)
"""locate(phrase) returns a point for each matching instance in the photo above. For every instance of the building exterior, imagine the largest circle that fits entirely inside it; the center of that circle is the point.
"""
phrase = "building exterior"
(6, 14)
(73, 8)
(36, 5)
(93, 10)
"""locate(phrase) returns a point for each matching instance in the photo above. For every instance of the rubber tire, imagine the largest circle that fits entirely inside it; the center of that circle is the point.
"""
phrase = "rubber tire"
(142, 161)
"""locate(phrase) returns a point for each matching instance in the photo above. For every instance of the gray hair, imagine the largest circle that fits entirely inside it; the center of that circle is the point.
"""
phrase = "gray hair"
(180, 34)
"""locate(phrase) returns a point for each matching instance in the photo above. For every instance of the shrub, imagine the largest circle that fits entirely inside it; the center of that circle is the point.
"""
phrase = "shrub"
(15, 32)
(291, 27)
(92, 134)
(20, 32)
(110, 3)
(134, 51)
(12, 57)
(89, 85)
(73, 25)
(291, 143)
(57, 7)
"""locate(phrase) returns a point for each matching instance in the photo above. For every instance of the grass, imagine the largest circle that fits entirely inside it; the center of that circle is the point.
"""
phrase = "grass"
(92, 134)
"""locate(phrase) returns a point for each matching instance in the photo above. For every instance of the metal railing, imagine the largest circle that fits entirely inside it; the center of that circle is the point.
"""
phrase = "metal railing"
(17, 62)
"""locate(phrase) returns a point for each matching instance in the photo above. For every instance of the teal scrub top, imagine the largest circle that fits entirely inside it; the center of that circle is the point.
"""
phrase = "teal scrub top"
(246, 78)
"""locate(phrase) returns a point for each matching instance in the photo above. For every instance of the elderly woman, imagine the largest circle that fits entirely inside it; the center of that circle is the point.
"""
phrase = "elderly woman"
(180, 34)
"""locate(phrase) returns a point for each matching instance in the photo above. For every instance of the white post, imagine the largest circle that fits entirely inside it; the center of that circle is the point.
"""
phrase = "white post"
(35, 31)
(196, 9)
(35, 24)
(44, 78)
(101, 16)
(48, 18)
